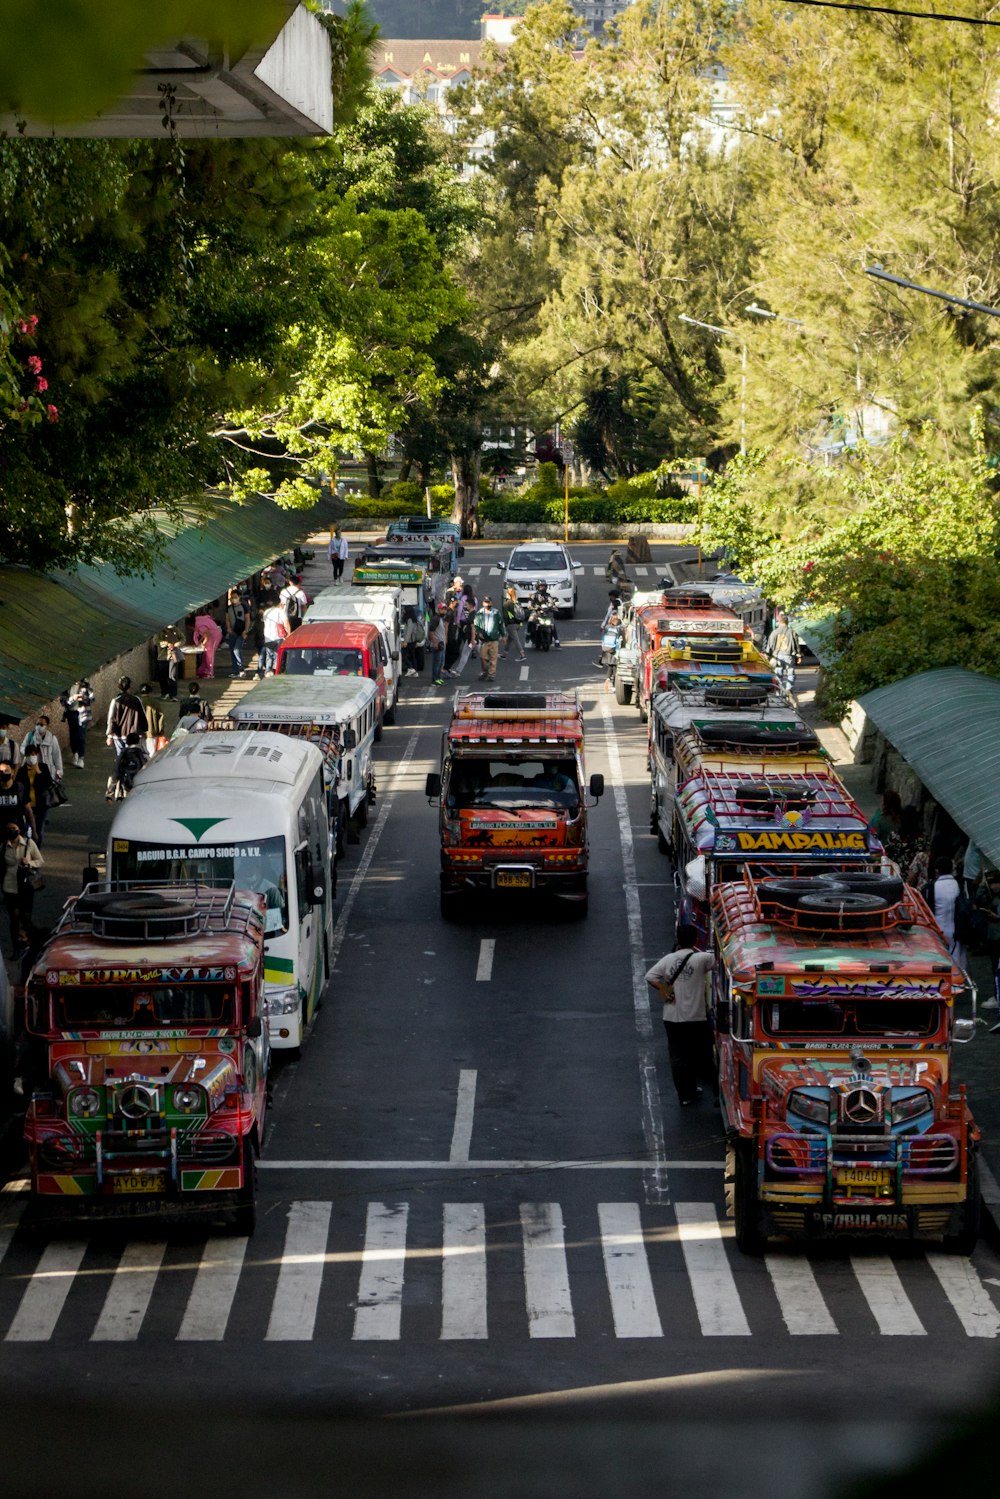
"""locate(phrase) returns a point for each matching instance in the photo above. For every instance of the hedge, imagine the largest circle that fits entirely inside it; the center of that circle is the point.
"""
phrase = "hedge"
(588, 509)
(388, 506)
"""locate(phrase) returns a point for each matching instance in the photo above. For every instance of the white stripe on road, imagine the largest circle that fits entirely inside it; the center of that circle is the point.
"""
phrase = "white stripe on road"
(970, 1299)
(802, 1306)
(657, 1186)
(463, 1271)
(546, 1273)
(129, 1293)
(716, 1299)
(524, 673)
(296, 1297)
(889, 1303)
(206, 1315)
(633, 1304)
(484, 968)
(383, 1260)
(47, 1291)
(472, 572)
(600, 572)
(642, 572)
(465, 1110)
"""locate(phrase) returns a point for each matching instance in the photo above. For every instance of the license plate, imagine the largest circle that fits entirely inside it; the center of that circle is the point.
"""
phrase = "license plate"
(863, 1176)
(140, 1181)
(514, 879)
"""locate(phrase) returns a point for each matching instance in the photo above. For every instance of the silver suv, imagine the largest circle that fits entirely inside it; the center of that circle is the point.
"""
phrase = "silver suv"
(532, 561)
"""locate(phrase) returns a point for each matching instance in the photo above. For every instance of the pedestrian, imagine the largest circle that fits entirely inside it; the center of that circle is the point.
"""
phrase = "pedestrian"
(275, 629)
(513, 616)
(237, 616)
(408, 639)
(987, 903)
(22, 862)
(39, 788)
(972, 867)
(488, 625)
(156, 725)
(195, 703)
(10, 752)
(295, 601)
(784, 650)
(170, 662)
(944, 895)
(208, 635)
(127, 767)
(47, 745)
(14, 807)
(887, 822)
(78, 713)
(126, 716)
(337, 552)
(680, 978)
(437, 640)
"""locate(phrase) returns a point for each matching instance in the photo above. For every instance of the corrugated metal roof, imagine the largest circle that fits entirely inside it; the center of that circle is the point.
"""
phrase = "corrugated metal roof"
(60, 626)
(946, 725)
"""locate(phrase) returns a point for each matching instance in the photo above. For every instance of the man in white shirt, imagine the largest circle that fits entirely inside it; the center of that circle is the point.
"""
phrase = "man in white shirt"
(681, 979)
(274, 622)
(337, 553)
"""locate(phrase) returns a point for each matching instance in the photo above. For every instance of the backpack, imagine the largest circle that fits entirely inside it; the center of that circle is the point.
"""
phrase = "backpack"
(130, 762)
(970, 924)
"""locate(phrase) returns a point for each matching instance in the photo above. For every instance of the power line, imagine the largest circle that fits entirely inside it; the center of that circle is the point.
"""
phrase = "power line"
(889, 10)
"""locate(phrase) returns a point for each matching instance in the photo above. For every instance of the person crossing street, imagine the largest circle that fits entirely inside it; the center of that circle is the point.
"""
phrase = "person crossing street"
(489, 628)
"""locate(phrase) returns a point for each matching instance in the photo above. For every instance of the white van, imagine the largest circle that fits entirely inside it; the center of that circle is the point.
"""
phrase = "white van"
(378, 606)
(341, 712)
(244, 809)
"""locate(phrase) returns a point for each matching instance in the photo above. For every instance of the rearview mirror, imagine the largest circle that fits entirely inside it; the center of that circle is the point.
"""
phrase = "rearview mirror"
(597, 784)
(350, 739)
(432, 786)
(497, 567)
(963, 1030)
(253, 1028)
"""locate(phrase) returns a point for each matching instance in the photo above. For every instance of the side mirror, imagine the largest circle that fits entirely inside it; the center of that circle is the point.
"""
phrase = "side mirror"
(461, 551)
(597, 784)
(350, 739)
(395, 655)
(578, 567)
(253, 1028)
(432, 787)
(963, 1030)
(723, 1017)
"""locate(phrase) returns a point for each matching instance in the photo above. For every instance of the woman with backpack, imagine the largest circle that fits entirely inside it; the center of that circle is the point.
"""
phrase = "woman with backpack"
(237, 619)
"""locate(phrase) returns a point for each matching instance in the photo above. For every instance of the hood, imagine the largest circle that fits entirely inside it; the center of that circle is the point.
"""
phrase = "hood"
(536, 827)
(780, 1075)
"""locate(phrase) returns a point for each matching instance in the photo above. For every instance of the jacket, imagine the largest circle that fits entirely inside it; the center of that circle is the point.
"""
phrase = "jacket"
(126, 716)
(489, 624)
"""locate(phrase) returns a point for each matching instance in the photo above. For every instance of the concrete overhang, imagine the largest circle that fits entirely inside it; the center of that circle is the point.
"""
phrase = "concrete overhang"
(281, 87)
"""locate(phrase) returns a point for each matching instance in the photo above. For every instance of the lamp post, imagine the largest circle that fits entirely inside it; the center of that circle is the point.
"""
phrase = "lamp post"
(729, 333)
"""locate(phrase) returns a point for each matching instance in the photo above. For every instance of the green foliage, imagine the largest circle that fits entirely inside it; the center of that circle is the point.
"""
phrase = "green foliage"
(586, 509)
(546, 485)
(405, 492)
(390, 504)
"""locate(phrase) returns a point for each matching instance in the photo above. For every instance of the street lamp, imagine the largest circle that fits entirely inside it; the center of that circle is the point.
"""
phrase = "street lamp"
(756, 311)
(729, 333)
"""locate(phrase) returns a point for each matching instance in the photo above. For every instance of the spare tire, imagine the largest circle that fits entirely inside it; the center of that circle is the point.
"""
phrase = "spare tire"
(721, 650)
(742, 695)
(97, 904)
(791, 891)
(840, 908)
(868, 882)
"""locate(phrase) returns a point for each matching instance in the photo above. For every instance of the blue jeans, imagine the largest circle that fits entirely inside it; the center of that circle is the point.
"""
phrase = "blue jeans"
(235, 644)
(437, 661)
(268, 656)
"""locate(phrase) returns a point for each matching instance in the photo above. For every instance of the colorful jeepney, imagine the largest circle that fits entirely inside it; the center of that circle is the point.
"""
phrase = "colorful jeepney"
(513, 798)
(373, 570)
(148, 1055)
(686, 626)
(835, 1018)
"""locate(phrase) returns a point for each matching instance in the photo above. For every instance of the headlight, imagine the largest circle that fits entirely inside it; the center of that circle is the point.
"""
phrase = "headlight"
(187, 1100)
(908, 1108)
(809, 1107)
(85, 1103)
(283, 1001)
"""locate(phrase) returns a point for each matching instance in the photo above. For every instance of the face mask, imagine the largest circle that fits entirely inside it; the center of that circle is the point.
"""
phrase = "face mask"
(32, 759)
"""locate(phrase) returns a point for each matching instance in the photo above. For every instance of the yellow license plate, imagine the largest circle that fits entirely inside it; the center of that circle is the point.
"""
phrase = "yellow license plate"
(518, 879)
(140, 1181)
(864, 1176)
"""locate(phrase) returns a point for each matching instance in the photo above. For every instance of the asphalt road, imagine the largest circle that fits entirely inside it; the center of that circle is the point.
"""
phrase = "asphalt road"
(478, 1191)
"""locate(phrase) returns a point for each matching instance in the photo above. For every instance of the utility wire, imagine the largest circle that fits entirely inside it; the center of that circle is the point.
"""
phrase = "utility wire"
(889, 10)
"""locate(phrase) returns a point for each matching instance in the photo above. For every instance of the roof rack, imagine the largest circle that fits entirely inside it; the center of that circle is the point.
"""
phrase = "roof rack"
(541, 716)
(213, 902)
(751, 902)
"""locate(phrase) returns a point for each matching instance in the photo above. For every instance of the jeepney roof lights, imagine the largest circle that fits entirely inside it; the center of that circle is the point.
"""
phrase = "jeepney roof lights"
(765, 967)
(814, 967)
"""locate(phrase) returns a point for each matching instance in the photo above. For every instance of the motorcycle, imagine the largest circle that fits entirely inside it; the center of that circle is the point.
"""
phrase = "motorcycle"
(541, 629)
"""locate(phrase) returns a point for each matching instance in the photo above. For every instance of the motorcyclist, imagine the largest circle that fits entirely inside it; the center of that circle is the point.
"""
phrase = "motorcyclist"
(615, 572)
(541, 601)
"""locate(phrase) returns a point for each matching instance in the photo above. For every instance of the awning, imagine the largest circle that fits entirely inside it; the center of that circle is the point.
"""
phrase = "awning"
(63, 625)
(946, 726)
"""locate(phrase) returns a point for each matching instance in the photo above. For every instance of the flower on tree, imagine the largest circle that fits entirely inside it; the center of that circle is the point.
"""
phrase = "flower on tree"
(34, 364)
(28, 325)
(52, 412)
(41, 384)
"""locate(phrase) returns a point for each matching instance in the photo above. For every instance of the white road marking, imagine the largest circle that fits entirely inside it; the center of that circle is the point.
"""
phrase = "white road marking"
(546, 1273)
(889, 1303)
(716, 1299)
(484, 968)
(463, 1271)
(383, 1260)
(600, 572)
(47, 1291)
(972, 1302)
(472, 572)
(296, 1296)
(129, 1293)
(206, 1315)
(640, 1164)
(13, 1209)
(633, 1304)
(465, 1111)
(657, 1186)
(802, 1306)
(524, 673)
(642, 572)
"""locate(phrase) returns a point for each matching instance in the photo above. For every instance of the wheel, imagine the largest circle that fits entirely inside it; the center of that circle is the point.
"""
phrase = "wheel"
(642, 704)
(353, 834)
(341, 831)
(571, 611)
(451, 905)
(378, 729)
(888, 886)
(623, 691)
(361, 815)
(390, 716)
(746, 1203)
(842, 903)
(750, 696)
(964, 1242)
(245, 1213)
(577, 909)
(661, 842)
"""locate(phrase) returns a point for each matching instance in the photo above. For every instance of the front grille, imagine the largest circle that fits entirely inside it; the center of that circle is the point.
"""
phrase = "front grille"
(212, 1150)
(929, 1155)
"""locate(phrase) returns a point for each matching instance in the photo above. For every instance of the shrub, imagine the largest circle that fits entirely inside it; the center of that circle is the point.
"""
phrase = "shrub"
(405, 492)
(390, 505)
(591, 509)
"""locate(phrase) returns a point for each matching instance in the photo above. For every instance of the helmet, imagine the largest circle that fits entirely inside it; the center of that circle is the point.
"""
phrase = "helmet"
(542, 584)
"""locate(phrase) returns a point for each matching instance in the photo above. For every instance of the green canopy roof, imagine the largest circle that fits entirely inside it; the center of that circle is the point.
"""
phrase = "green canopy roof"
(63, 625)
(946, 725)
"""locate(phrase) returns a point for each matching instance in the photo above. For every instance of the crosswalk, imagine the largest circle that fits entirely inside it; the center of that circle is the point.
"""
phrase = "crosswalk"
(599, 572)
(614, 1268)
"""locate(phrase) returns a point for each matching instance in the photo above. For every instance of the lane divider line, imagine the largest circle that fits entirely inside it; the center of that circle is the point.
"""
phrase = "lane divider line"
(465, 1109)
(484, 969)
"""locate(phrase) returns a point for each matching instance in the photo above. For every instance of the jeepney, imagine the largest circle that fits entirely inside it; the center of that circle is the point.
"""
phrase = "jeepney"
(148, 1055)
(745, 599)
(695, 725)
(393, 572)
(623, 672)
(835, 1019)
(436, 556)
(683, 627)
(770, 818)
(512, 794)
(425, 528)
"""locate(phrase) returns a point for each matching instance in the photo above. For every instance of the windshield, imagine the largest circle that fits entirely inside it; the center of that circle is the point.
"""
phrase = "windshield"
(249, 866)
(144, 1007)
(514, 784)
(323, 661)
(538, 562)
(865, 1017)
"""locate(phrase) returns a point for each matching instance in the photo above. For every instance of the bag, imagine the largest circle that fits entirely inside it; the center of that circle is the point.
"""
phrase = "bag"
(970, 923)
(239, 620)
(668, 984)
(55, 796)
(292, 609)
(519, 614)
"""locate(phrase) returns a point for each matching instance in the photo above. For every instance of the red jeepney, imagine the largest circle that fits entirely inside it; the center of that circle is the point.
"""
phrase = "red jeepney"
(148, 1055)
(835, 1015)
(688, 626)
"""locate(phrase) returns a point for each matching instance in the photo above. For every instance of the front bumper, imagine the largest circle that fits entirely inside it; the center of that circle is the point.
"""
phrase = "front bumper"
(512, 875)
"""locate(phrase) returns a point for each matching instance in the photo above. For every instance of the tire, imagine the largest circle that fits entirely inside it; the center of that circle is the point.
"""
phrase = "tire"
(578, 909)
(353, 835)
(623, 691)
(378, 730)
(750, 696)
(390, 715)
(889, 886)
(245, 1212)
(964, 1242)
(842, 903)
(746, 1203)
(361, 815)
(341, 844)
(790, 891)
(661, 842)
